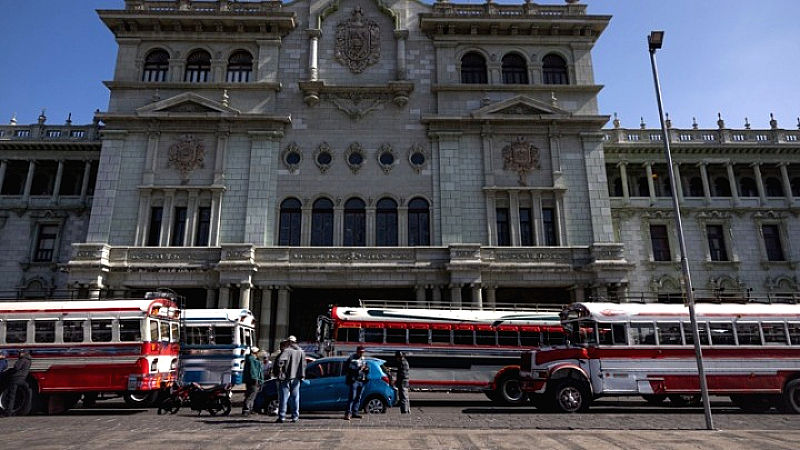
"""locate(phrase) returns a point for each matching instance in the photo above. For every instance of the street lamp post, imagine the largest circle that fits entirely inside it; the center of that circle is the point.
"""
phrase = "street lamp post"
(654, 41)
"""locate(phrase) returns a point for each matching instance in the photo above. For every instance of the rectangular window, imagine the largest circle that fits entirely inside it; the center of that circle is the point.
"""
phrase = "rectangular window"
(154, 233)
(165, 330)
(503, 230)
(525, 227)
(772, 242)
(73, 330)
(722, 333)
(669, 333)
(203, 227)
(373, 335)
(53, 133)
(198, 335)
(716, 243)
(130, 330)
(748, 333)
(178, 227)
(101, 330)
(486, 337)
(463, 337)
(44, 331)
(347, 334)
(175, 332)
(153, 330)
(46, 243)
(77, 133)
(774, 333)
(16, 331)
(395, 336)
(530, 338)
(660, 242)
(508, 338)
(643, 333)
(440, 336)
(223, 335)
(417, 336)
(22, 133)
(794, 332)
(701, 329)
(549, 224)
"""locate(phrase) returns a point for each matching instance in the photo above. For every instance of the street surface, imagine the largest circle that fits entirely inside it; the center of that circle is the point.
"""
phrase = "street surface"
(438, 421)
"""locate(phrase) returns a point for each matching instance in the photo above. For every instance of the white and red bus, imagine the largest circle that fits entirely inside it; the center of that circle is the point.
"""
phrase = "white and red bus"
(476, 350)
(80, 347)
(751, 352)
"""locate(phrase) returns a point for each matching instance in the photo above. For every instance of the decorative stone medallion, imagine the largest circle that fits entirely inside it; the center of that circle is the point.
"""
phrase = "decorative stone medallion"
(186, 155)
(521, 157)
(358, 42)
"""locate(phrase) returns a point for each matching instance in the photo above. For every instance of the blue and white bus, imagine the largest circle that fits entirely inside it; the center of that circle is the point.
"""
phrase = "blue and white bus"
(215, 344)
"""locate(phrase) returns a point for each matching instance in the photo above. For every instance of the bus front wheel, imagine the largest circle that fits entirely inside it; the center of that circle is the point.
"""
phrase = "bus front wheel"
(140, 399)
(570, 396)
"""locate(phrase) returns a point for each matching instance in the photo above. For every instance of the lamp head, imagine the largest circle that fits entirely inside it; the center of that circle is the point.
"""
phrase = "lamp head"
(655, 39)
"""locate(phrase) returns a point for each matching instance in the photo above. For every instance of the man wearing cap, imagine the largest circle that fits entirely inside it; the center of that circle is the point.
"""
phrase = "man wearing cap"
(357, 370)
(291, 372)
(253, 377)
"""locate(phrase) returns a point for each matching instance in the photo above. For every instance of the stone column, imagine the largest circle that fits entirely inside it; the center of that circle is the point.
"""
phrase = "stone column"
(216, 213)
(678, 184)
(420, 294)
(513, 218)
(732, 183)
(648, 167)
(282, 314)
(265, 320)
(143, 221)
(455, 296)
(57, 185)
(224, 297)
(26, 193)
(338, 223)
(762, 195)
(477, 296)
(166, 219)
(191, 220)
(313, 54)
(370, 225)
(211, 298)
(402, 225)
(244, 295)
(87, 173)
(400, 37)
(436, 296)
(305, 223)
(787, 185)
(623, 175)
(704, 178)
(151, 158)
(491, 299)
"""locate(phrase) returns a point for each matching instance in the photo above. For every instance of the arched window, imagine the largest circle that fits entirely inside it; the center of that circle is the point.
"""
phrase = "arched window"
(774, 188)
(290, 221)
(240, 65)
(722, 188)
(386, 223)
(696, 187)
(322, 223)
(748, 187)
(198, 67)
(355, 223)
(515, 70)
(473, 69)
(419, 233)
(554, 70)
(156, 66)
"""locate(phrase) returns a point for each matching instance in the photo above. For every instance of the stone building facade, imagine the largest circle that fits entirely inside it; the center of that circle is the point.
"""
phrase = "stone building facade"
(283, 157)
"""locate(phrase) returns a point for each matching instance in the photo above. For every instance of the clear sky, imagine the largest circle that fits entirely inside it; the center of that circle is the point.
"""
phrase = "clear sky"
(735, 57)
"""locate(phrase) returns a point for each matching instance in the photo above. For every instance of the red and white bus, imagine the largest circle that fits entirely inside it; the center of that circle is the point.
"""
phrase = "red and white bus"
(127, 347)
(751, 352)
(475, 350)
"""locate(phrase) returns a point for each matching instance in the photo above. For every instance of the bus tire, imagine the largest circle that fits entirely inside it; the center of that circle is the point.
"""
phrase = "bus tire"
(23, 401)
(684, 399)
(140, 399)
(654, 399)
(791, 397)
(752, 403)
(509, 390)
(570, 396)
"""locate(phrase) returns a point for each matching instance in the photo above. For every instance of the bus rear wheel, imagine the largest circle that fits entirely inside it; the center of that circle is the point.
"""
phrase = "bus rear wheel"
(791, 397)
(654, 399)
(140, 399)
(509, 390)
(22, 403)
(684, 399)
(752, 403)
(570, 396)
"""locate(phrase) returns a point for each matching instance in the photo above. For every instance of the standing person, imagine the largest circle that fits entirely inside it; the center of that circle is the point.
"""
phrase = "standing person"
(3, 361)
(292, 370)
(402, 382)
(253, 377)
(357, 371)
(16, 379)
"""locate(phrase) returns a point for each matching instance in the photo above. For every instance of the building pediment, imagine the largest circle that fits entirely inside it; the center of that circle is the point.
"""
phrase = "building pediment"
(188, 103)
(519, 106)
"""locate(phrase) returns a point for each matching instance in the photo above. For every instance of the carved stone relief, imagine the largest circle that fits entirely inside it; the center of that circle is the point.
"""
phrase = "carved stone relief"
(186, 155)
(358, 42)
(522, 157)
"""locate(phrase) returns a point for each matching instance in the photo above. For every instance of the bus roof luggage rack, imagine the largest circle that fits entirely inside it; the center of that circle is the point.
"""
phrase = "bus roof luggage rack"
(412, 304)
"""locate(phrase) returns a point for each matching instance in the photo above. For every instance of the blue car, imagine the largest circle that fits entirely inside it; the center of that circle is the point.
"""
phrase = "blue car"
(324, 388)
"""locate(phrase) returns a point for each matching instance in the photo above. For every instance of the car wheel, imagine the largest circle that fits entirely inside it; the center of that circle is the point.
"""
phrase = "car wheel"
(140, 399)
(271, 406)
(375, 405)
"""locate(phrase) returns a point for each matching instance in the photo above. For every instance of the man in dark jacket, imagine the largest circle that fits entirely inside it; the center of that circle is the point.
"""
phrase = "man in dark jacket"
(291, 372)
(17, 379)
(402, 383)
(253, 377)
(357, 371)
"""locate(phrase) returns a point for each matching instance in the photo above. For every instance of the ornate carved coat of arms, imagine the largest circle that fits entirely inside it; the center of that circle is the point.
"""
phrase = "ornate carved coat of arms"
(358, 42)
(522, 157)
(186, 155)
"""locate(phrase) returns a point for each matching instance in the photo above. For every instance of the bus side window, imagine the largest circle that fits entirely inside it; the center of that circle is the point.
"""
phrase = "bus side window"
(175, 332)
(153, 330)
(101, 330)
(530, 338)
(130, 330)
(722, 333)
(164, 330)
(439, 336)
(347, 334)
(73, 330)
(223, 335)
(794, 333)
(620, 337)
(373, 335)
(748, 333)
(701, 328)
(486, 337)
(417, 336)
(16, 331)
(774, 333)
(44, 331)
(605, 335)
(643, 333)
(669, 333)
(508, 338)
(463, 337)
(396, 336)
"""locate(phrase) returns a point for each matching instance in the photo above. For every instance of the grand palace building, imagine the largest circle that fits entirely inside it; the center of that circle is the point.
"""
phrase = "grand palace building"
(284, 157)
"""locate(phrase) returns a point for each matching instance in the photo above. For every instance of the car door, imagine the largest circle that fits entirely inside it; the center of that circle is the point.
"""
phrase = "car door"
(320, 390)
